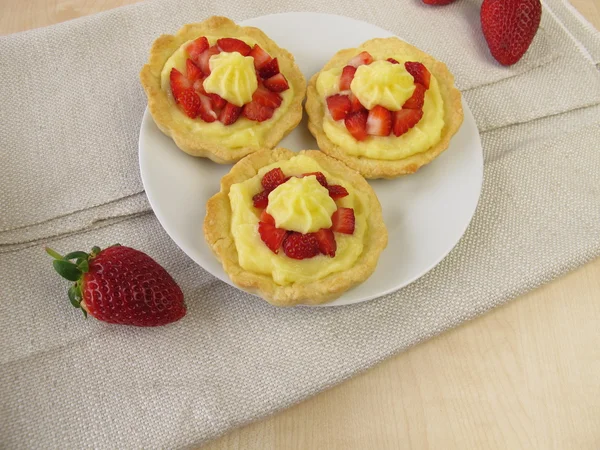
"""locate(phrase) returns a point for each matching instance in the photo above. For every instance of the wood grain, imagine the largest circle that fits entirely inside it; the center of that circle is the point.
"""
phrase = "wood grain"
(525, 376)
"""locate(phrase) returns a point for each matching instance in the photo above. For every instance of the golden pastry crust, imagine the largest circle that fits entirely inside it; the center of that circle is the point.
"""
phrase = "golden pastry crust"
(217, 231)
(160, 105)
(375, 168)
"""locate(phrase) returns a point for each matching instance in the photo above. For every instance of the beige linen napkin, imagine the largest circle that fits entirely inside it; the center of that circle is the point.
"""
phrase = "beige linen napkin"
(70, 383)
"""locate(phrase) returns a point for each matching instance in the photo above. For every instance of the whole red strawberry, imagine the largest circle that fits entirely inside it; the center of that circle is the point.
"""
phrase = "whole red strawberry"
(121, 285)
(509, 27)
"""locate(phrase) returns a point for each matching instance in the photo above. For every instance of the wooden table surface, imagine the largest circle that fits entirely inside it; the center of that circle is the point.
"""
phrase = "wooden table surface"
(525, 376)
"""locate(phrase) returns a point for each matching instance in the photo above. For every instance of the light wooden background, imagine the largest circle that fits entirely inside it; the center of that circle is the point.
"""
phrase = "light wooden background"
(525, 376)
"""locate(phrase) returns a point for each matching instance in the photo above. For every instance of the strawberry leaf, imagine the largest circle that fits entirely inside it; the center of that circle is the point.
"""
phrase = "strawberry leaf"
(83, 265)
(67, 269)
(75, 296)
(74, 255)
(52, 253)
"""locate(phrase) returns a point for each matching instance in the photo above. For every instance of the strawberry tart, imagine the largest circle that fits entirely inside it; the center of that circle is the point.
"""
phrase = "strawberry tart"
(295, 228)
(385, 108)
(222, 91)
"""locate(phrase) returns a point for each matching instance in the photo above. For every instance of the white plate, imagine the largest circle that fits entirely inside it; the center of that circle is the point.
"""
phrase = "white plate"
(425, 213)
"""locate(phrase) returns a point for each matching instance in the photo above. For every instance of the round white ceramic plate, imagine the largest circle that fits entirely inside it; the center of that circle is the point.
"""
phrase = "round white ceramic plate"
(425, 213)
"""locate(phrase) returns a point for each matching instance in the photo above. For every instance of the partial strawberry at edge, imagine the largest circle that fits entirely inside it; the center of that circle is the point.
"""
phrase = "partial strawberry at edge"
(438, 2)
(419, 72)
(272, 236)
(509, 27)
(277, 83)
(343, 221)
(326, 240)
(121, 285)
(234, 45)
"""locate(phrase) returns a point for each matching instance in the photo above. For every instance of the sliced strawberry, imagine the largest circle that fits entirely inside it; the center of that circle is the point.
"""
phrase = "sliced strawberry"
(272, 236)
(336, 191)
(217, 101)
(234, 45)
(193, 72)
(257, 112)
(277, 83)
(417, 99)
(261, 200)
(199, 87)
(196, 47)
(272, 179)
(301, 246)
(179, 83)
(320, 177)
(405, 119)
(230, 114)
(204, 58)
(266, 217)
(343, 221)
(356, 124)
(326, 240)
(339, 106)
(207, 112)
(392, 60)
(360, 59)
(356, 104)
(419, 73)
(265, 97)
(191, 103)
(260, 56)
(379, 121)
(269, 69)
(347, 77)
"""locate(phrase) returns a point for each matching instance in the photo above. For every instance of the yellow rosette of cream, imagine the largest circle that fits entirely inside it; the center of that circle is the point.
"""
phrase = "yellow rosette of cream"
(382, 83)
(232, 77)
(301, 204)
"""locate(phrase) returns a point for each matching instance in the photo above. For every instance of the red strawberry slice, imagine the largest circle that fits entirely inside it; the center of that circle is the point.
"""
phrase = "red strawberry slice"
(207, 112)
(197, 47)
(230, 114)
(272, 179)
(339, 106)
(355, 102)
(343, 221)
(257, 112)
(360, 59)
(267, 218)
(392, 60)
(265, 97)
(347, 77)
(269, 69)
(509, 27)
(191, 103)
(417, 99)
(204, 58)
(260, 56)
(272, 236)
(326, 240)
(233, 45)
(179, 83)
(261, 200)
(405, 119)
(277, 83)
(437, 2)
(336, 191)
(379, 121)
(356, 124)
(320, 177)
(301, 246)
(419, 72)
(193, 72)
(217, 101)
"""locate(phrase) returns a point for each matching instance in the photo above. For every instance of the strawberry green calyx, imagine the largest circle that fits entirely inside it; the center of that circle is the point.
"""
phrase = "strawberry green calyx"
(72, 266)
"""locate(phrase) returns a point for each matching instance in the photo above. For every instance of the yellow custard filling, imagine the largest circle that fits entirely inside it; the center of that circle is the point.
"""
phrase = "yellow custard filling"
(301, 204)
(255, 256)
(418, 139)
(242, 133)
